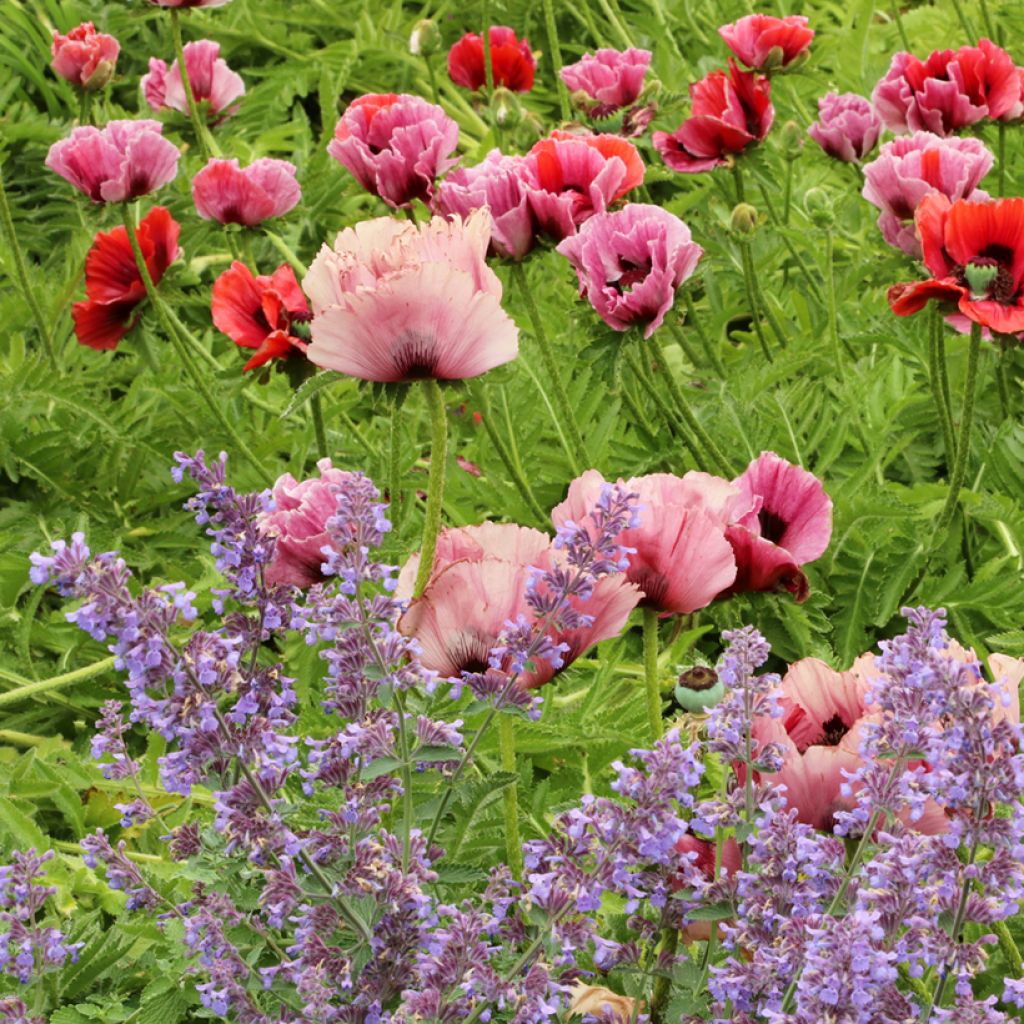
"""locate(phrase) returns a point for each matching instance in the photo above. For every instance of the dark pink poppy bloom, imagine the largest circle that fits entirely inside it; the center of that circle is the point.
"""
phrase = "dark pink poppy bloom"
(910, 167)
(766, 43)
(298, 525)
(213, 83)
(950, 90)
(479, 584)
(682, 559)
(395, 145)
(229, 194)
(501, 184)
(607, 80)
(85, 57)
(121, 161)
(847, 128)
(512, 61)
(729, 111)
(629, 264)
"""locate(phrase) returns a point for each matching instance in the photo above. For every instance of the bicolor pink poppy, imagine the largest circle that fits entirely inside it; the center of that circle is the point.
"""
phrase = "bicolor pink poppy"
(116, 163)
(607, 80)
(85, 57)
(395, 145)
(396, 301)
(682, 558)
(848, 126)
(766, 43)
(949, 90)
(229, 194)
(912, 166)
(214, 85)
(478, 584)
(629, 264)
(298, 525)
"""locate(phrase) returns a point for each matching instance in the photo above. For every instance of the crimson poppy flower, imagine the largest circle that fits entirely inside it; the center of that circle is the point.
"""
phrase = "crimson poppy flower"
(766, 43)
(512, 62)
(975, 252)
(259, 312)
(113, 285)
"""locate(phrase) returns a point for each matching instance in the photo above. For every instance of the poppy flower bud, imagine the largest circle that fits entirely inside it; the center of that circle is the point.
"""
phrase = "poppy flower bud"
(508, 111)
(818, 204)
(698, 688)
(744, 220)
(425, 39)
(791, 139)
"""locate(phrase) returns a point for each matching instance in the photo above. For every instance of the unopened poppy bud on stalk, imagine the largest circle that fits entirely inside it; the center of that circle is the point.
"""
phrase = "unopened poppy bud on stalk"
(425, 39)
(791, 140)
(508, 111)
(818, 204)
(744, 220)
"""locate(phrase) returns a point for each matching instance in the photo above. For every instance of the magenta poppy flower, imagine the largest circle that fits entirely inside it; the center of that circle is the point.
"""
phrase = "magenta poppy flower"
(395, 145)
(121, 161)
(298, 525)
(479, 584)
(630, 263)
(229, 194)
(729, 111)
(847, 128)
(766, 43)
(683, 559)
(396, 301)
(949, 91)
(512, 62)
(608, 80)
(501, 185)
(910, 167)
(85, 57)
(213, 82)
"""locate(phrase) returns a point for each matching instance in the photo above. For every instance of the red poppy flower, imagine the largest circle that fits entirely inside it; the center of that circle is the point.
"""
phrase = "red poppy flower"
(512, 62)
(976, 253)
(258, 312)
(113, 285)
(765, 43)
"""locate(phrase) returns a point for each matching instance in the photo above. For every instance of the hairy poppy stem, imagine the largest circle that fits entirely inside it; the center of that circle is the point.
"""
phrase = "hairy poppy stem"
(1001, 159)
(650, 632)
(940, 384)
(85, 107)
(207, 146)
(485, 13)
(435, 484)
(317, 413)
(510, 795)
(898, 18)
(693, 319)
(286, 251)
(555, 52)
(395, 503)
(663, 982)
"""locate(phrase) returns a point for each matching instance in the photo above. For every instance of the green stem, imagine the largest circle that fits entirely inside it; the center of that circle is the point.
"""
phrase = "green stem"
(85, 107)
(578, 454)
(183, 350)
(556, 59)
(395, 465)
(22, 275)
(286, 251)
(898, 18)
(663, 983)
(737, 177)
(1009, 948)
(432, 75)
(435, 485)
(749, 283)
(485, 14)
(964, 23)
(787, 192)
(692, 319)
(830, 293)
(615, 22)
(33, 689)
(510, 795)
(407, 807)
(207, 146)
(1002, 382)
(651, 678)
(990, 28)
(936, 371)
(317, 412)
(1001, 159)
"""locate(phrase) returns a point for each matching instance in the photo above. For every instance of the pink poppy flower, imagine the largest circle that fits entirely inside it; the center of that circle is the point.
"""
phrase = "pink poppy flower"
(782, 521)
(949, 91)
(608, 80)
(395, 145)
(765, 43)
(298, 525)
(630, 263)
(189, 3)
(682, 559)
(512, 61)
(501, 184)
(479, 583)
(395, 301)
(912, 166)
(213, 82)
(229, 194)
(121, 161)
(85, 57)
(577, 176)
(847, 128)
(729, 111)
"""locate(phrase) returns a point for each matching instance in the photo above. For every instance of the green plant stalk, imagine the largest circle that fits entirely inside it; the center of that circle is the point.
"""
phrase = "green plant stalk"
(963, 441)
(684, 343)
(33, 689)
(404, 753)
(435, 484)
(1009, 948)
(830, 293)
(182, 347)
(936, 373)
(432, 76)
(317, 414)
(85, 107)
(898, 18)
(510, 796)
(578, 456)
(613, 19)
(692, 318)
(1001, 159)
(485, 14)
(990, 28)
(749, 282)
(663, 983)
(964, 23)
(207, 146)
(555, 52)
(286, 252)
(395, 503)
(652, 680)
(22, 275)
(1002, 383)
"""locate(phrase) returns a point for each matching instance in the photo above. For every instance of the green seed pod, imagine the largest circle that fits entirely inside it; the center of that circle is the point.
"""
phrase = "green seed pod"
(699, 688)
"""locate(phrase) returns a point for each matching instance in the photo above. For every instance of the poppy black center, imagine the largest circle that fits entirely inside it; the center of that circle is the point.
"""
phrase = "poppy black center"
(832, 732)
(772, 526)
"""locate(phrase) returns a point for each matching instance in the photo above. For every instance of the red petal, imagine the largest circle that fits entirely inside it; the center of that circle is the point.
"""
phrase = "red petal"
(237, 306)
(278, 345)
(905, 299)
(101, 325)
(976, 229)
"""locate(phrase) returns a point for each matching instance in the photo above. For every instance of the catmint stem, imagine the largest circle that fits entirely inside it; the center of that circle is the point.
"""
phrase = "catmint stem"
(510, 795)
(205, 141)
(33, 689)
(963, 443)
(435, 485)
(286, 251)
(578, 453)
(555, 52)
(317, 414)
(940, 384)
(395, 503)
(22, 275)
(184, 353)
(651, 677)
